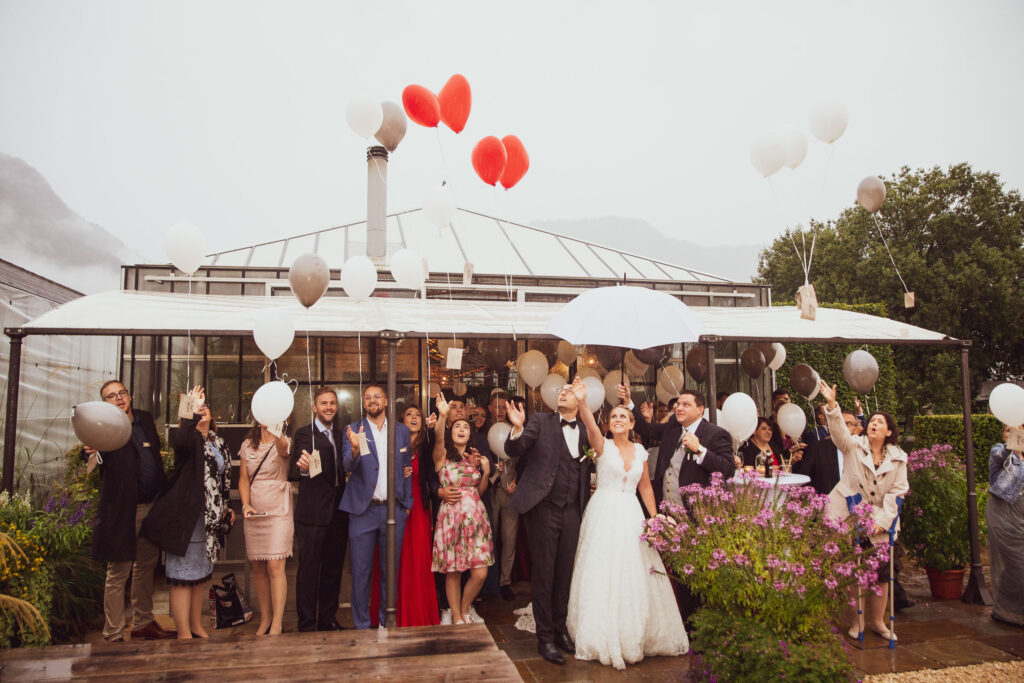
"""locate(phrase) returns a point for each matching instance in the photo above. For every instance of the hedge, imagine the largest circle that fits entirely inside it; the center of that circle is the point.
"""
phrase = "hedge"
(828, 359)
(929, 430)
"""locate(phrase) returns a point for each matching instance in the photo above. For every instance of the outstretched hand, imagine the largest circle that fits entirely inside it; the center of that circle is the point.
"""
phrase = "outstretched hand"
(516, 415)
(353, 439)
(828, 393)
(579, 390)
(647, 411)
(442, 406)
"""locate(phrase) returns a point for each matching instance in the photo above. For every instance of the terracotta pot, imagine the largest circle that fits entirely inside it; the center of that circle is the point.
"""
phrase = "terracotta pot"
(946, 584)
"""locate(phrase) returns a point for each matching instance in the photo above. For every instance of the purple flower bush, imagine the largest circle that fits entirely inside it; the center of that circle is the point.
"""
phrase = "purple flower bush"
(769, 562)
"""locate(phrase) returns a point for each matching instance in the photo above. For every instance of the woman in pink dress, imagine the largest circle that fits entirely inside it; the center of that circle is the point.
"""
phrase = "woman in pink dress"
(266, 507)
(463, 539)
(417, 597)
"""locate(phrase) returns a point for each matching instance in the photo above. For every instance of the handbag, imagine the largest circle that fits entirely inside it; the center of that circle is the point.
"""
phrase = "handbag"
(1009, 480)
(228, 604)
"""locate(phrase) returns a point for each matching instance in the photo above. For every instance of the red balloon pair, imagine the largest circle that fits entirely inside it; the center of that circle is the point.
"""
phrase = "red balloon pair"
(504, 160)
(451, 105)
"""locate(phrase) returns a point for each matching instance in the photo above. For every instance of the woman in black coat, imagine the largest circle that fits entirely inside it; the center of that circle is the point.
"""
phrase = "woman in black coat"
(190, 519)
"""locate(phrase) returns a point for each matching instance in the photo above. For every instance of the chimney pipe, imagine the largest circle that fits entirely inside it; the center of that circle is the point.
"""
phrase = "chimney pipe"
(376, 204)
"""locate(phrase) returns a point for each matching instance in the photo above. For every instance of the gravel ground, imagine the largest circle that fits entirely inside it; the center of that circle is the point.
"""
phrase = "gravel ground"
(1000, 672)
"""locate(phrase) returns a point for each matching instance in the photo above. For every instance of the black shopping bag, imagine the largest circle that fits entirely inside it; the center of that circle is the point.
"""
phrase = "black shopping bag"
(228, 606)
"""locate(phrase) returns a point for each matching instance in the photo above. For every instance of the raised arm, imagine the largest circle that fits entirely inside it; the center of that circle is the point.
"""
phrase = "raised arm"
(594, 435)
(439, 453)
(840, 433)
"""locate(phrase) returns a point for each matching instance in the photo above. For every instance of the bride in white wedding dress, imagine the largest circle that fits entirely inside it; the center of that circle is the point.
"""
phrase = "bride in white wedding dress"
(621, 604)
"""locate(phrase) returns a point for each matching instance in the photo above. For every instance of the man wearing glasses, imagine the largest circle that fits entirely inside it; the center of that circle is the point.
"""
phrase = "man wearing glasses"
(132, 477)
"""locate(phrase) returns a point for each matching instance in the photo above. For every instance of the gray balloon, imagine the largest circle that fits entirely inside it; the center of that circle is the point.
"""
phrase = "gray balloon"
(861, 371)
(804, 379)
(697, 363)
(871, 193)
(767, 349)
(309, 277)
(101, 425)
(752, 361)
(392, 129)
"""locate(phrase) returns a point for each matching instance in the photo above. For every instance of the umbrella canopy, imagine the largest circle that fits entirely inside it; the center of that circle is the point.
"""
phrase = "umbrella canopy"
(630, 317)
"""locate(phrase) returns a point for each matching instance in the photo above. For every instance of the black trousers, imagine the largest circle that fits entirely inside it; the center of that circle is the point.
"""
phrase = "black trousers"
(553, 535)
(321, 554)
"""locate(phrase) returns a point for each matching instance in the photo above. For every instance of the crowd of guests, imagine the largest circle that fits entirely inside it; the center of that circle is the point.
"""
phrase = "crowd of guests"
(457, 529)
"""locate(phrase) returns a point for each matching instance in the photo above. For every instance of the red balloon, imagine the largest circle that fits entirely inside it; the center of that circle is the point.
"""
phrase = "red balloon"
(421, 105)
(518, 161)
(455, 100)
(489, 159)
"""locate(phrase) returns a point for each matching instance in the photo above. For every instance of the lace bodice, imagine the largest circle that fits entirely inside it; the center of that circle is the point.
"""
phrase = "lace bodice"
(611, 469)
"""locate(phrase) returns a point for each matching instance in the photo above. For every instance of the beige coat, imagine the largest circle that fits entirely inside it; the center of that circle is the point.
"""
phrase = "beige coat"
(879, 487)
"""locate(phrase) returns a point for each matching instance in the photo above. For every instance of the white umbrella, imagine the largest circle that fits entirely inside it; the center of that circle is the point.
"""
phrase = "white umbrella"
(630, 317)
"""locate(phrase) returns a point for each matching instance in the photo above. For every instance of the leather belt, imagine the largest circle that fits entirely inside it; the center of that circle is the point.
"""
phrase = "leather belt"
(378, 501)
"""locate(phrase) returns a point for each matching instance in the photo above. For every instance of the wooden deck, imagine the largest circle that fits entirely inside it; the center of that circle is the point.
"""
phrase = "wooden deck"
(432, 653)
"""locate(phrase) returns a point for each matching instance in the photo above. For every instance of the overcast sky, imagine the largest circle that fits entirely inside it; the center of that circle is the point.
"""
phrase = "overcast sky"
(231, 115)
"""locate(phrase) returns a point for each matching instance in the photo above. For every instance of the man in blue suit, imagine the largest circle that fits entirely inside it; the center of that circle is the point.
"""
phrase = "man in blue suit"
(366, 496)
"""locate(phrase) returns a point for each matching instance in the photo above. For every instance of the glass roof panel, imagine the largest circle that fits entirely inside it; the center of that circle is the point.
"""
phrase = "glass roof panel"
(438, 246)
(543, 253)
(267, 255)
(332, 247)
(238, 257)
(486, 246)
(586, 257)
(617, 263)
(646, 268)
(297, 246)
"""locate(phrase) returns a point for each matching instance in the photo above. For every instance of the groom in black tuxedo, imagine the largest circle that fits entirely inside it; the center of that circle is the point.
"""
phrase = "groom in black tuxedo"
(552, 491)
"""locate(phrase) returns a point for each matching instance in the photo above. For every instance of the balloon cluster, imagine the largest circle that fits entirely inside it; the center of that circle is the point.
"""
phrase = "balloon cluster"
(787, 147)
(504, 160)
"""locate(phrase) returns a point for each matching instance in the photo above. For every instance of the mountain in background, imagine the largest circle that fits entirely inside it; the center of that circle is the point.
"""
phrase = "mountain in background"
(736, 263)
(38, 232)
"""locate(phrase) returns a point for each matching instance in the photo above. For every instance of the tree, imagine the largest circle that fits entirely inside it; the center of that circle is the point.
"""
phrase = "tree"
(957, 237)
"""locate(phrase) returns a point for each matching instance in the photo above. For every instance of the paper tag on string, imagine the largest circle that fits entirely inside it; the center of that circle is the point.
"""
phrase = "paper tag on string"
(807, 302)
(186, 406)
(454, 359)
(1015, 439)
(276, 429)
(364, 445)
(908, 300)
(315, 466)
(467, 274)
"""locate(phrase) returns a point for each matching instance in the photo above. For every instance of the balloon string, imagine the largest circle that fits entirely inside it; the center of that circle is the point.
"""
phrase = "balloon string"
(449, 278)
(810, 259)
(188, 343)
(309, 376)
(359, 352)
(891, 259)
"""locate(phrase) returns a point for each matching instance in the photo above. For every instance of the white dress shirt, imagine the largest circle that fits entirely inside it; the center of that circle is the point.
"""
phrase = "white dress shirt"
(571, 436)
(380, 441)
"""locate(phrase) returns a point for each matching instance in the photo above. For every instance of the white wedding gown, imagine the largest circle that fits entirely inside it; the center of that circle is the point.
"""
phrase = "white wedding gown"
(618, 610)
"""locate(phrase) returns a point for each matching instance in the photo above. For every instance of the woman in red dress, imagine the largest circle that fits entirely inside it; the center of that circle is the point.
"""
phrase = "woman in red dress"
(417, 598)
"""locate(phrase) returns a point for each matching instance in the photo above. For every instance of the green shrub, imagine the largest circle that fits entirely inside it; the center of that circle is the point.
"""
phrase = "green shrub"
(929, 430)
(26, 575)
(828, 359)
(750, 650)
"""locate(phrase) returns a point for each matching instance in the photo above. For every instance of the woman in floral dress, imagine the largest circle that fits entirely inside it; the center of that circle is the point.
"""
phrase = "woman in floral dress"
(463, 539)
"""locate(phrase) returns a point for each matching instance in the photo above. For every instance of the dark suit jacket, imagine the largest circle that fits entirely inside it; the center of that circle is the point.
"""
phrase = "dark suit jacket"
(538, 448)
(711, 436)
(318, 496)
(821, 464)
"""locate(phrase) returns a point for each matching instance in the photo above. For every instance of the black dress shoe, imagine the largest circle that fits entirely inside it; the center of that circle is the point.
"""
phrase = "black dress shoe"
(550, 653)
(903, 604)
(507, 594)
(333, 626)
(563, 641)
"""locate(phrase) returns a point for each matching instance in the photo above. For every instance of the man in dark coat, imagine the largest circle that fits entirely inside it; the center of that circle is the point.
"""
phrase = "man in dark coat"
(131, 477)
(321, 529)
(552, 492)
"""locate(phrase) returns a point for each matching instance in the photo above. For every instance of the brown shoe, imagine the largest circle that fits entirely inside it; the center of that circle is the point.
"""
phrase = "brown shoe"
(153, 631)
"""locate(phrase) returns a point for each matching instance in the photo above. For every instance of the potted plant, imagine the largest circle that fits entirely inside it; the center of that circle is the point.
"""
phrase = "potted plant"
(934, 520)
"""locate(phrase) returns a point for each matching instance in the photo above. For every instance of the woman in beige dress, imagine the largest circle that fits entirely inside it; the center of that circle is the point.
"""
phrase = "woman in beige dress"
(266, 507)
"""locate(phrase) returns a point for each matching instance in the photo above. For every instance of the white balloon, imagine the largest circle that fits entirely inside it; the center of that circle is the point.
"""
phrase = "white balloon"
(828, 120)
(359, 277)
(101, 425)
(274, 332)
(496, 436)
(272, 403)
(459, 388)
(595, 392)
(768, 153)
(185, 247)
(738, 416)
(817, 390)
(587, 371)
(1007, 403)
(796, 146)
(532, 366)
(792, 420)
(364, 116)
(635, 368)
(672, 379)
(407, 267)
(663, 395)
(780, 356)
(439, 207)
(567, 353)
(549, 389)
(610, 387)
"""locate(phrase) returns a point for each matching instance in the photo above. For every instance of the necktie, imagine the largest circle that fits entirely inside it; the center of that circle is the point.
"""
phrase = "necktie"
(571, 424)
(330, 437)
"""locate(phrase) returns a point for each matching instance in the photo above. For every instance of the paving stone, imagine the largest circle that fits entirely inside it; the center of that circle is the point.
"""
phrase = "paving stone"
(1014, 644)
(884, 660)
(960, 652)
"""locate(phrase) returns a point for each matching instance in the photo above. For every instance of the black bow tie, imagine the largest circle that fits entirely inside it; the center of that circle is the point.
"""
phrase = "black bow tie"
(571, 424)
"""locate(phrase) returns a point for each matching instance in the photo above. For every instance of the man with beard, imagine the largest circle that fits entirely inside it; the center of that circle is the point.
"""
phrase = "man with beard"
(366, 496)
(321, 529)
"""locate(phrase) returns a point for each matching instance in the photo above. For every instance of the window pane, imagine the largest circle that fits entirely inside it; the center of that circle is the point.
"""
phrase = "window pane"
(254, 375)
(222, 378)
(342, 359)
(407, 360)
(294, 361)
(186, 369)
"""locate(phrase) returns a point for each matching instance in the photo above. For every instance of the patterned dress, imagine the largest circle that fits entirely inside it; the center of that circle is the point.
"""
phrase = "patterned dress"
(463, 538)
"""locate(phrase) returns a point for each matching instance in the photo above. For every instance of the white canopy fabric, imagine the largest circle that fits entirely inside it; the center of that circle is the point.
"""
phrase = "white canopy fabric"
(139, 313)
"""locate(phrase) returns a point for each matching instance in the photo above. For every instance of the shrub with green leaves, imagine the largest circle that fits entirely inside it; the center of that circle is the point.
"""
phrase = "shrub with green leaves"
(929, 430)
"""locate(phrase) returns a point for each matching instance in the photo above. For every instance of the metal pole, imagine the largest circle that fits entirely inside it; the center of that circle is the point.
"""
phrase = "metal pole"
(390, 611)
(11, 416)
(709, 347)
(976, 592)
(376, 203)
